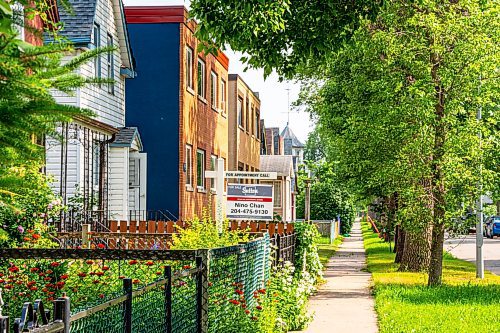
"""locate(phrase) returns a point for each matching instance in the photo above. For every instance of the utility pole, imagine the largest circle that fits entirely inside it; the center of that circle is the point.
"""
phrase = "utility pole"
(288, 106)
(479, 225)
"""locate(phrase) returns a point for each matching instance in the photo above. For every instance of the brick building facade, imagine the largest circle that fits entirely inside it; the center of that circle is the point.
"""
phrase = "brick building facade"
(180, 101)
(244, 126)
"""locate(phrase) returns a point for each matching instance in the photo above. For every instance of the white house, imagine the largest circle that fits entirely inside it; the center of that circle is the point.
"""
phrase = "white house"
(284, 200)
(98, 166)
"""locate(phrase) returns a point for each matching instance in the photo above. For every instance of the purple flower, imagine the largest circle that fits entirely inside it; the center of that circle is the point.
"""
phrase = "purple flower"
(20, 229)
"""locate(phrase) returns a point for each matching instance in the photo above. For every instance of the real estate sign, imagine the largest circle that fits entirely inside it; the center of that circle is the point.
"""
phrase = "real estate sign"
(251, 175)
(249, 202)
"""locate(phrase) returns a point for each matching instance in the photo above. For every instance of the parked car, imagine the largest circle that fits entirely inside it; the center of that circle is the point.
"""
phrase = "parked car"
(492, 226)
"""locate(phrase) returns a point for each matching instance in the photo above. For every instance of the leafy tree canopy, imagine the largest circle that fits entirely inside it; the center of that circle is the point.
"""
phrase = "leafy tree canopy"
(283, 35)
(399, 104)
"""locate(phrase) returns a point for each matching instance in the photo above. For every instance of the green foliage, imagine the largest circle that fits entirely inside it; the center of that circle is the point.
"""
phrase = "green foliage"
(29, 75)
(290, 290)
(279, 35)
(306, 250)
(315, 150)
(329, 198)
(30, 202)
(404, 304)
(399, 103)
(203, 234)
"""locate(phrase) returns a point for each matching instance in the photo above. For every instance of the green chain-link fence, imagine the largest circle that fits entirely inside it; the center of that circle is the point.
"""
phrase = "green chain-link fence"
(142, 291)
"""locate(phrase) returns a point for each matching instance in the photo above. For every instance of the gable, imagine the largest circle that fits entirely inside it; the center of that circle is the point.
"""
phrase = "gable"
(78, 26)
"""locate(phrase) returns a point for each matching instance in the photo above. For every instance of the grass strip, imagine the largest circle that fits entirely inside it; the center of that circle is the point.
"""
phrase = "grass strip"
(327, 250)
(405, 304)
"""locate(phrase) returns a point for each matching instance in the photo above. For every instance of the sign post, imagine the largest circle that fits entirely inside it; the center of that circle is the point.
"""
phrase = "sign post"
(250, 207)
(249, 202)
(218, 176)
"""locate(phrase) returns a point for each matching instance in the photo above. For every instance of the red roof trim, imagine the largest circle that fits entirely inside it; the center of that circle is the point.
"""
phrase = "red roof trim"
(223, 59)
(155, 14)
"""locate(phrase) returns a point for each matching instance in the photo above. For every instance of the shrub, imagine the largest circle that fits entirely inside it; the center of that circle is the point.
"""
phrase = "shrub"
(306, 249)
(203, 234)
(290, 292)
(29, 203)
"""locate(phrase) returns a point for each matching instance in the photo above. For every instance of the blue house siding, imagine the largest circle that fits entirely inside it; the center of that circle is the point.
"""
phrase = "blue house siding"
(152, 104)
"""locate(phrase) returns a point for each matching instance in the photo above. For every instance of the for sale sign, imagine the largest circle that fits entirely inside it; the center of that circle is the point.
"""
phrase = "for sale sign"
(249, 202)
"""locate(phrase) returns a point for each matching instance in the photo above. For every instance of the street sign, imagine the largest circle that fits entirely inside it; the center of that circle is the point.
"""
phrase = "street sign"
(251, 175)
(249, 202)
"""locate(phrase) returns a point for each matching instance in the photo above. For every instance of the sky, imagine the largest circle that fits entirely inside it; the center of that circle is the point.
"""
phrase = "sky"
(273, 94)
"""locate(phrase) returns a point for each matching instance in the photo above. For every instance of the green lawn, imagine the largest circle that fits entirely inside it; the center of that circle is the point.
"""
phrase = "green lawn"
(405, 304)
(326, 250)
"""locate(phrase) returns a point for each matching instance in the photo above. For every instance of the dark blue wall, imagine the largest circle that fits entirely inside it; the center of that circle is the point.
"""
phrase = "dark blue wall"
(152, 104)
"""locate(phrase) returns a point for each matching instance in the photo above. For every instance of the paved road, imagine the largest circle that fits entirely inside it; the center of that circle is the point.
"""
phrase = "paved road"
(344, 303)
(465, 248)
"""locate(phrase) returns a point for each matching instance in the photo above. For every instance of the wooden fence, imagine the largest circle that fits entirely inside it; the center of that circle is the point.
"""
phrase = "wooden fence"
(152, 235)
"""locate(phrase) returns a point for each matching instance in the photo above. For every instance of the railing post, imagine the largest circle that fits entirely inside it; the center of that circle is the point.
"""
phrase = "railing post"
(202, 292)
(168, 298)
(278, 250)
(4, 320)
(85, 236)
(332, 231)
(127, 310)
(62, 312)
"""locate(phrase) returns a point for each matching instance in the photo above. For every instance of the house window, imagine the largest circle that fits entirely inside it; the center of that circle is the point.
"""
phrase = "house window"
(239, 109)
(189, 166)
(111, 66)
(213, 162)
(200, 169)
(202, 80)
(257, 123)
(277, 194)
(213, 89)
(223, 94)
(189, 67)
(97, 44)
(247, 115)
(18, 19)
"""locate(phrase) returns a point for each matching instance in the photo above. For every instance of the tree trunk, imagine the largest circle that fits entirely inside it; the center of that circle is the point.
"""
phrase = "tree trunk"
(438, 188)
(436, 265)
(399, 245)
(498, 207)
(416, 251)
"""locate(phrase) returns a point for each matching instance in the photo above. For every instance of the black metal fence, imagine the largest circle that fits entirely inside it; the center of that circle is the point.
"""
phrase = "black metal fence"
(284, 248)
(148, 309)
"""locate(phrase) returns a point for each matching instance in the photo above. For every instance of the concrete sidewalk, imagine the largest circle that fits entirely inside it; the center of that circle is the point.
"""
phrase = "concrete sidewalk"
(344, 303)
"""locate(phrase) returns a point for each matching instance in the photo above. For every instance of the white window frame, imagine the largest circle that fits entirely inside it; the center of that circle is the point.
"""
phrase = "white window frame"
(97, 44)
(188, 159)
(257, 122)
(213, 163)
(214, 97)
(111, 65)
(189, 68)
(277, 195)
(223, 94)
(200, 174)
(202, 79)
(239, 111)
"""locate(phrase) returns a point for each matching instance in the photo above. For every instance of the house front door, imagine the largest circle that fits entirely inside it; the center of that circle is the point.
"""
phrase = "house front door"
(137, 183)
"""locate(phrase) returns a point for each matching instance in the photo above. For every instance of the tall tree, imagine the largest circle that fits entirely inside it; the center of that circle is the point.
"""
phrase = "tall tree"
(400, 102)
